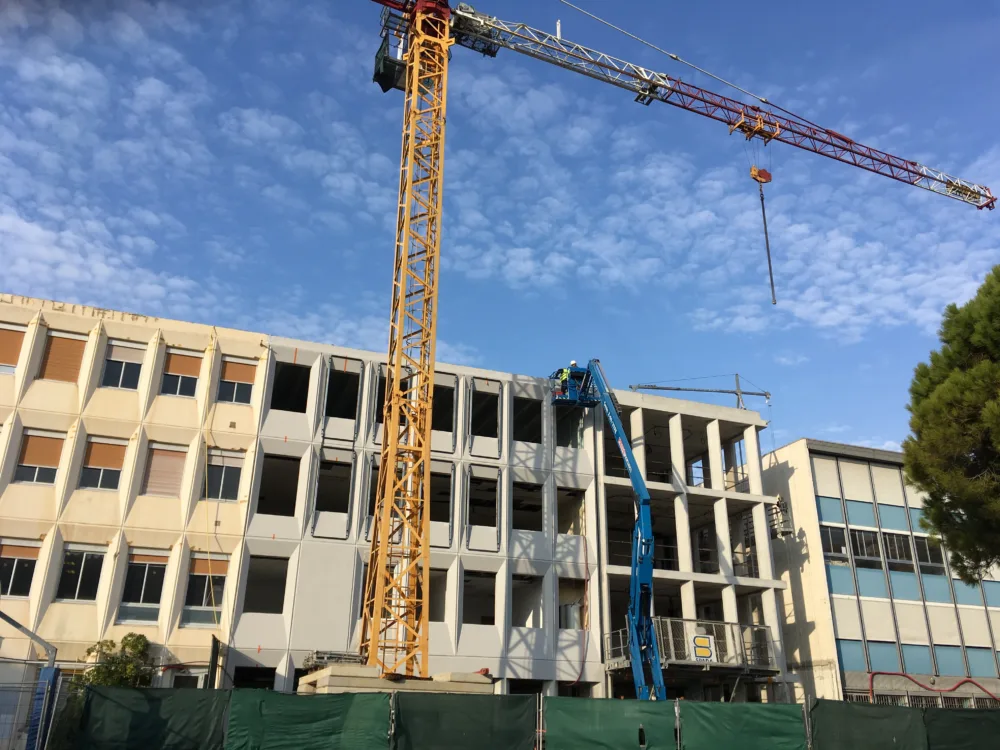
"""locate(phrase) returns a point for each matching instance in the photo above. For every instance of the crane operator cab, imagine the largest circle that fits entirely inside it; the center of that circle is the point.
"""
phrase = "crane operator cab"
(572, 386)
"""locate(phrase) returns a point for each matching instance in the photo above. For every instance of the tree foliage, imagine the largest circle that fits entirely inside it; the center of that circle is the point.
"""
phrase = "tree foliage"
(129, 666)
(954, 452)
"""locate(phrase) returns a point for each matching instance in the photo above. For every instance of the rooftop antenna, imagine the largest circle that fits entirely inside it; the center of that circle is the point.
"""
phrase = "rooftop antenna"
(738, 391)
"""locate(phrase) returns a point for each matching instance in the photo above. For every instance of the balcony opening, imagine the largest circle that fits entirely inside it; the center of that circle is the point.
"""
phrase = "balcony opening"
(569, 427)
(342, 389)
(258, 678)
(697, 473)
(576, 689)
(620, 521)
(485, 412)
(570, 510)
(706, 552)
(373, 486)
(479, 598)
(380, 397)
(279, 482)
(525, 687)
(440, 496)
(443, 409)
(656, 438)
(614, 464)
(438, 595)
(265, 588)
(527, 420)
(572, 604)
(734, 466)
(526, 601)
(333, 490)
(527, 506)
(483, 496)
(618, 601)
(290, 391)
(666, 599)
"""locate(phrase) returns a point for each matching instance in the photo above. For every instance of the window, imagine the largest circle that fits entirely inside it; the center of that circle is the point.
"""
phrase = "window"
(223, 475)
(333, 490)
(830, 509)
(981, 662)
(478, 598)
(39, 458)
(180, 374)
(917, 659)
(102, 464)
(859, 513)
(527, 420)
(484, 419)
(122, 364)
(143, 586)
(527, 506)
(483, 496)
(904, 585)
(81, 574)
(441, 493)
(342, 388)
(572, 604)
(265, 591)
(259, 678)
(916, 516)
(892, 517)
(205, 587)
(526, 602)
(865, 544)
(852, 656)
(936, 588)
(279, 482)
(928, 552)
(443, 411)
(186, 681)
(897, 548)
(834, 540)
(10, 348)
(236, 381)
(883, 656)
(438, 595)
(840, 579)
(966, 594)
(569, 427)
(62, 358)
(992, 591)
(949, 661)
(164, 469)
(290, 391)
(17, 566)
(570, 510)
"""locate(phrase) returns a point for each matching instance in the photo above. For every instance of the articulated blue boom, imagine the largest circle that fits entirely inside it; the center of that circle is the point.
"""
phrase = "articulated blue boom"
(586, 387)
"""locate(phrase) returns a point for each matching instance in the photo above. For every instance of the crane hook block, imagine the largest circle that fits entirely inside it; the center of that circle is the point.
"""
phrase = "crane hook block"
(760, 175)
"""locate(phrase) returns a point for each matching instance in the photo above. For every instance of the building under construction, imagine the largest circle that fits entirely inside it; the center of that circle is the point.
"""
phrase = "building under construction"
(205, 486)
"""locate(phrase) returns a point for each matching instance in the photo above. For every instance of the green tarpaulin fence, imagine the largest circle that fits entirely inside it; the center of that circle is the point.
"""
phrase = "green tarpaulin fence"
(150, 719)
(437, 721)
(264, 720)
(576, 723)
(857, 726)
(961, 729)
(748, 726)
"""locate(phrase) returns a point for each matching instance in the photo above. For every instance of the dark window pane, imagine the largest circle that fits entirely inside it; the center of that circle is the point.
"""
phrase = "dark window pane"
(187, 386)
(227, 391)
(230, 483)
(265, 590)
(24, 474)
(170, 384)
(214, 481)
(442, 413)
(112, 373)
(213, 596)
(243, 391)
(6, 573)
(109, 479)
(90, 477)
(132, 592)
(23, 571)
(154, 584)
(130, 375)
(185, 681)
(70, 575)
(90, 577)
(196, 590)
(290, 391)
(342, 394)
(45, 475)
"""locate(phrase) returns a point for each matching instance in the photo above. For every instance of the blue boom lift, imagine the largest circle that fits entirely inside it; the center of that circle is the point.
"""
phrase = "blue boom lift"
(585, 387)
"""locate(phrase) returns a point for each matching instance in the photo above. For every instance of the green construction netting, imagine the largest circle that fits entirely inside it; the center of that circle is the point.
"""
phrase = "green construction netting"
(961, 729)
(748, 726)
(150, 719)
(576, 723)
(858, 726)
(264, 720)
(458, 722)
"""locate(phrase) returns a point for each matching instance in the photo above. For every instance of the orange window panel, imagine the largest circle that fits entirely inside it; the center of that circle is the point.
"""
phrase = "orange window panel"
(215, 567)
(10, 346)
(104, 456)
(238, 372)
(182, 364)
(40, 451)
(62, 359)
(16, 550)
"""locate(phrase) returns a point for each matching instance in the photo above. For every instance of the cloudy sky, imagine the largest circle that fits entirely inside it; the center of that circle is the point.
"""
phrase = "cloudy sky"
(233, 163)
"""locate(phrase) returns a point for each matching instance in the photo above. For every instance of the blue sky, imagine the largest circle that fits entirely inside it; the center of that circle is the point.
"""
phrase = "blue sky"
(232, 163)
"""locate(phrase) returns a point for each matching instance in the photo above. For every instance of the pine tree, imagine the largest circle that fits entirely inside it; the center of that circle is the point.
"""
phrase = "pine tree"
(954, 452)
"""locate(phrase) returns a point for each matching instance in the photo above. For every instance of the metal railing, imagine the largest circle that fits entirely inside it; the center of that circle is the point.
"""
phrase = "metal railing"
(923, 700)
(733, 644)
(16, 703)
(745, 564)
(664, 555)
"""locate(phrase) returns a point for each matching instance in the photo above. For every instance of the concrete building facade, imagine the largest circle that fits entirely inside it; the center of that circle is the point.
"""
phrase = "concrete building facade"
(868, 591)
(190, 482)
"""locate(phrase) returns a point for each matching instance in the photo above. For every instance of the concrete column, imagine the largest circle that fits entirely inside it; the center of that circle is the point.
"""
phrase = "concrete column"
(715, 455)
(729, 469)
(729, 610)
(723, 545)
(752, 446)
(772, 618)
(762, 541)
(638, 440)
(682, 524)
(677, 464)
(688, 609)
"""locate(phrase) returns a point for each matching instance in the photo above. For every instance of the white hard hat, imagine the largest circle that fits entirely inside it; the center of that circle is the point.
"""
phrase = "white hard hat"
(572, 363)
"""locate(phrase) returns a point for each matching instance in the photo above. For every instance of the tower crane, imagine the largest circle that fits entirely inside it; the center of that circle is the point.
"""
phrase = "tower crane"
(414, 56)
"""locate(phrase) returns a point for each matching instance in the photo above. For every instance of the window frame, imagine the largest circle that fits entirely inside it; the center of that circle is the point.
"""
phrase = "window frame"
(141, 604)
(223, 469)
(100, 478)
(7, 585)
(121, 374)
(826, 536)
(87, 555)
(236, 391)
(193, 615)
(35, 471)
(181, 380)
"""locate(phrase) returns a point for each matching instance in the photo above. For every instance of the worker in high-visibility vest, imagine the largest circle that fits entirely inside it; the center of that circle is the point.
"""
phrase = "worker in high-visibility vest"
(564, 376)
